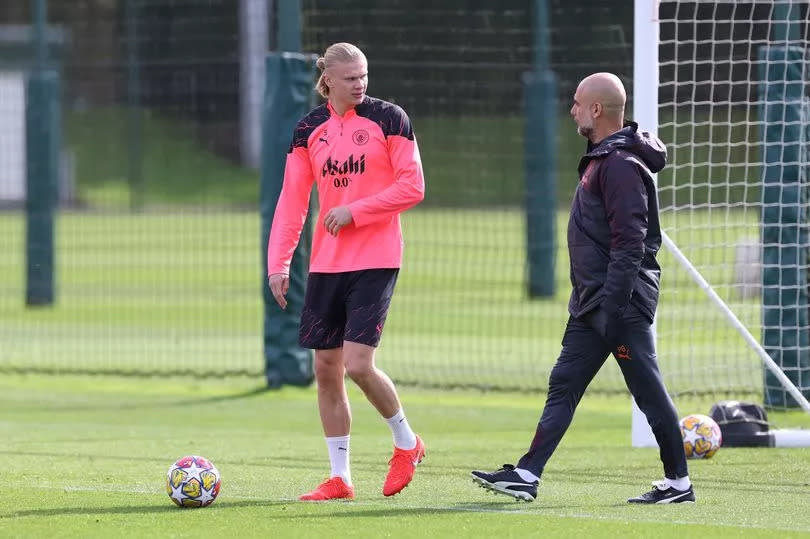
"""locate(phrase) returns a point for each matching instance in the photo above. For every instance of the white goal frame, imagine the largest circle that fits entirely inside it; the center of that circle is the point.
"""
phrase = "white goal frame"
(645, 111)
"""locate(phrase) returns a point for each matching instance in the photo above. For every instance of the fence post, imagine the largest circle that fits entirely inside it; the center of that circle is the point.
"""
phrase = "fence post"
(540, 102)
(43, 128)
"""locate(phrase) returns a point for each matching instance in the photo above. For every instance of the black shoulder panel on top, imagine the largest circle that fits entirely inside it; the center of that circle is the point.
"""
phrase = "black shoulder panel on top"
(307, 125)
(391, 118)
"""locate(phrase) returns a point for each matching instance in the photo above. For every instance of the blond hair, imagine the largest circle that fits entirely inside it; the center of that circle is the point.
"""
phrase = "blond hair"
(337, 52)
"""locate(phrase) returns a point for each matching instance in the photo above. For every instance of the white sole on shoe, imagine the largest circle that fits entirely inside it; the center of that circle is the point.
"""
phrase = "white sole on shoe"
(497, 487)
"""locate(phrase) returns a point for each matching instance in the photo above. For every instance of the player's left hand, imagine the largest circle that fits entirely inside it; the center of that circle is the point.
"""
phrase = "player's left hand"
(337, 218)
(609, 325)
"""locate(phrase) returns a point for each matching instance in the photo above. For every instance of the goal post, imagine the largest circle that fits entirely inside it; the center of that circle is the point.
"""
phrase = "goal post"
(724, 83)
(645, 112)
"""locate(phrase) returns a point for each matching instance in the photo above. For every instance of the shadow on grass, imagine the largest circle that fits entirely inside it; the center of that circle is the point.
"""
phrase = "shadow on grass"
(374, 513)
(339, 509)
(250, 393)
(131, 509)
(350, 510)
(287, 462)
(610, 478)
(508, 505)
(583, 475)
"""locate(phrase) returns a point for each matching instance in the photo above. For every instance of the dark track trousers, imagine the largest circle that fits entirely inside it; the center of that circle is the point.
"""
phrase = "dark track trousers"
(584, 351)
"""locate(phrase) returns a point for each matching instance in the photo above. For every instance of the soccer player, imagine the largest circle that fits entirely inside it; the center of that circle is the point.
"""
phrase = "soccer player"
(613, 238)
(362, 153)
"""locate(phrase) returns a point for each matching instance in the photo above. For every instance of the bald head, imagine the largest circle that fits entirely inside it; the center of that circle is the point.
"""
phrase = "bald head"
(598, 108)
(606, 89)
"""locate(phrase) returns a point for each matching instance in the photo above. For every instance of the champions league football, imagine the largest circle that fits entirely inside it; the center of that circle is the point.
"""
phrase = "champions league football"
(193, 481)
(701, 436)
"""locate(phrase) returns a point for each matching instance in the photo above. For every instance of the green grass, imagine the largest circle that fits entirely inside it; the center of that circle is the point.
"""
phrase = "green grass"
(469, 161)
(181, 292)
(177, 288)
(714, 155)
(87, 457)
(479, 161)
(150, 291)
(174, 167)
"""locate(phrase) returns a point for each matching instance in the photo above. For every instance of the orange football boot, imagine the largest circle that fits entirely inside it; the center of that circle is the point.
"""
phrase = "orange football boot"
(402, 466)
(333, 488)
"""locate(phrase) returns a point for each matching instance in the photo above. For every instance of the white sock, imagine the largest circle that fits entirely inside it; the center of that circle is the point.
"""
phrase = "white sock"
(339, 457)
(526, 475)
(404, 438)
(682, 483)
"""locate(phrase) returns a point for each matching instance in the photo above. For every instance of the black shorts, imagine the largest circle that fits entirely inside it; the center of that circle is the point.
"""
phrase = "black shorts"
(348, 306)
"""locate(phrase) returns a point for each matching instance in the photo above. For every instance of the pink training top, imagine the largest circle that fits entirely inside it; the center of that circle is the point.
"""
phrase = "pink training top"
(368, 160)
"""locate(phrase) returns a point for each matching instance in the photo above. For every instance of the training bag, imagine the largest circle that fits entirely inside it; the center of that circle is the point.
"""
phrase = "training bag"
(743, 424)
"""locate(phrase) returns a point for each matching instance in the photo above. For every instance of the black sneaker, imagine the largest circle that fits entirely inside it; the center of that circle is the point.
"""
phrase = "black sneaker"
(663, 494)
(506, 481)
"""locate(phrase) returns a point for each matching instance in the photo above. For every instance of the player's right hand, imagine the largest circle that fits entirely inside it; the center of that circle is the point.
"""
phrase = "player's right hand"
(279, 284)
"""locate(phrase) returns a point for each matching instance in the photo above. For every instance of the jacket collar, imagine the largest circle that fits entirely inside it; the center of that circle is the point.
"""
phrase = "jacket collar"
(609, 143)
(346, 115)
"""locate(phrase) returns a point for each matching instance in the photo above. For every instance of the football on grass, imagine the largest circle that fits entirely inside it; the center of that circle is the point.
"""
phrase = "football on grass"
(701, 436)
(193, 481)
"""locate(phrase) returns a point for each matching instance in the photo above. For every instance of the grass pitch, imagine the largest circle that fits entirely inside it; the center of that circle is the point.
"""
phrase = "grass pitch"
(180, 291)
(177, 288)
(87, 457)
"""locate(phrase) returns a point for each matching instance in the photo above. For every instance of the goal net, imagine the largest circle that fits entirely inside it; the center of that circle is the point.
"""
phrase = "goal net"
(731, 87)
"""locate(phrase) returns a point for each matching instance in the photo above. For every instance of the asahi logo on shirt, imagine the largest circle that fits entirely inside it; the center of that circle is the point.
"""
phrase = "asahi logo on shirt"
(352, 165)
